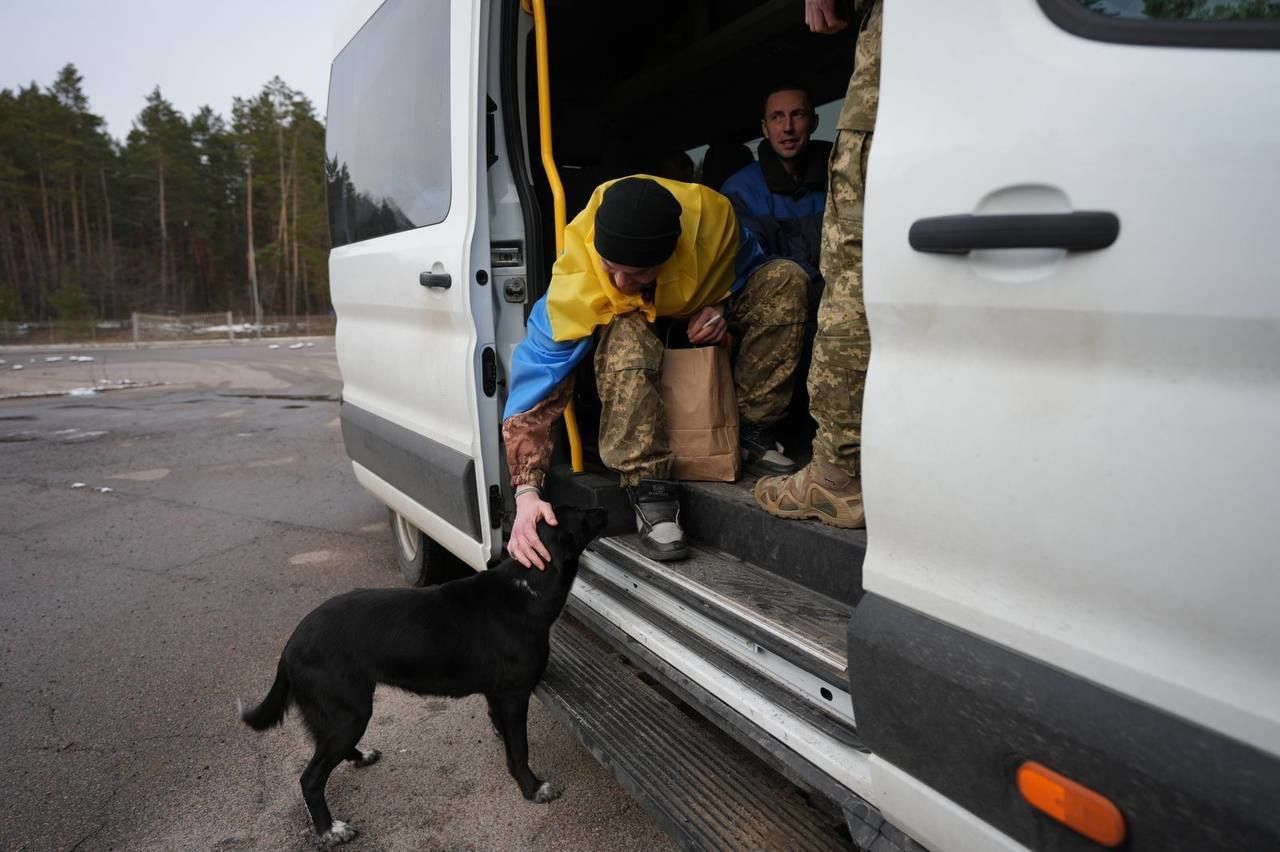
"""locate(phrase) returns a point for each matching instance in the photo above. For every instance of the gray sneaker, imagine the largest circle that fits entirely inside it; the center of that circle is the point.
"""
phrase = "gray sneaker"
(657, 505)
(761, 452)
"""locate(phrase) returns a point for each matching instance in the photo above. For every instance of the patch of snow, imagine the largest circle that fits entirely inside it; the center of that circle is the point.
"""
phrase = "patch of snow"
(296, 345)
(82, 437)
(82, 392)
(143, 475)
(104, 490)
(53, 359)
(238, 328)
(273, 345)
(313, 557)
(17, 366)
(77, 485)
(80, 358)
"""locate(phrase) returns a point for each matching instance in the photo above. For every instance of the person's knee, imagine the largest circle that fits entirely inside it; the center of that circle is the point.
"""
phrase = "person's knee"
(629, 345)
(784, 292)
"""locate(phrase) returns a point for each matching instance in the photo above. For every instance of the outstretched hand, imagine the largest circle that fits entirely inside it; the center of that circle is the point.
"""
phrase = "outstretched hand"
(525, 546)
(821, 17)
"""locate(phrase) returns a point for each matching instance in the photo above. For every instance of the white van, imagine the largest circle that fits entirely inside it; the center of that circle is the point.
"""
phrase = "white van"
(1061, 629)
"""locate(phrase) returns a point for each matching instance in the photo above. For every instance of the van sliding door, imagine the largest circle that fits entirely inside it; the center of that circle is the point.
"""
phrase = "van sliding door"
(408, 268)
(1072, 418)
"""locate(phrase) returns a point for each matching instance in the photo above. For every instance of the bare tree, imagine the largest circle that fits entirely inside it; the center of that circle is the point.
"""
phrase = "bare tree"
(253, 262)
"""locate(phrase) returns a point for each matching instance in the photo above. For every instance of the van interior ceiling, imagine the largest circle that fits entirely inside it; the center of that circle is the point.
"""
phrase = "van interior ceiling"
(633, 81)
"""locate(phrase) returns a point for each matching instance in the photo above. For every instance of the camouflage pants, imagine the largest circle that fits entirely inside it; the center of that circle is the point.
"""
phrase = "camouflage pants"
(770, 314)
(842, 348)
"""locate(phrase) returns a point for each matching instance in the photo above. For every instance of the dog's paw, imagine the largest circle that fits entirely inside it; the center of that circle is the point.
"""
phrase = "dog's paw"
(548, 792)
(339, 832)
(368, 757)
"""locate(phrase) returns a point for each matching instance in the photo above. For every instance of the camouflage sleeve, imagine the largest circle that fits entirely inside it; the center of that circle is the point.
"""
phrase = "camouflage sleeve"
(528, 436)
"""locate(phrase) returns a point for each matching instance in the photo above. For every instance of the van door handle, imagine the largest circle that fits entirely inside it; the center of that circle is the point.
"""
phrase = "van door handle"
(1083, 230)
(435, 280)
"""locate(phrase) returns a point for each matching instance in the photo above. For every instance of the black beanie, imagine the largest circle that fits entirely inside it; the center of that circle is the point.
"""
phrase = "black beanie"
(637, 223)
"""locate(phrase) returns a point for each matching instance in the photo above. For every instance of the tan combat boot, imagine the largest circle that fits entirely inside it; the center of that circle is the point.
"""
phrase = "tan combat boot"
(819, 490)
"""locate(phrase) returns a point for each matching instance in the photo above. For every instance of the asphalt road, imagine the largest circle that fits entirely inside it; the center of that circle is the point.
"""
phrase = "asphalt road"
(131, 619)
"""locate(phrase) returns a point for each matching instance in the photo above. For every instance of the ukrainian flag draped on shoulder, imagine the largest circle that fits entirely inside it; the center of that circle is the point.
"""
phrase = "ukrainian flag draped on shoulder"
(713, 258)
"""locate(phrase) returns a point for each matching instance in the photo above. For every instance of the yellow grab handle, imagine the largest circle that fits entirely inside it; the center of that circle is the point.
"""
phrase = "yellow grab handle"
(557, 190)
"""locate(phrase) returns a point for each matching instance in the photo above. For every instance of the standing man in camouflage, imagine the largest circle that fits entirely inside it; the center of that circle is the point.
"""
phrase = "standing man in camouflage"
(829, 488)
(645, 253)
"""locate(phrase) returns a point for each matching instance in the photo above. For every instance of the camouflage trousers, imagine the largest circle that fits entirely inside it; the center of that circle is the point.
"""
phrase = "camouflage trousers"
(842, 348)
(769, 314)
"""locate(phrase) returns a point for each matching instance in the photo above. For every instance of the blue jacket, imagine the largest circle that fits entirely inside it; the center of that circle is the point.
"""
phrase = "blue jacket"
(783, 212)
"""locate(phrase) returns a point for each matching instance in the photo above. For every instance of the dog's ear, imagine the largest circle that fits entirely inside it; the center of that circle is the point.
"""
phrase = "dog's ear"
(561, 540)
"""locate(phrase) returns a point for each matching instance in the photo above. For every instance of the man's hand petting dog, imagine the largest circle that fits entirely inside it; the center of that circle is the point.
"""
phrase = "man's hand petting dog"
(525, 546)
(488, 634)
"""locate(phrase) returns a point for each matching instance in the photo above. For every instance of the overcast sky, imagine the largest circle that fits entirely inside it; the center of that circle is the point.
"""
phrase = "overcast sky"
(197, 52)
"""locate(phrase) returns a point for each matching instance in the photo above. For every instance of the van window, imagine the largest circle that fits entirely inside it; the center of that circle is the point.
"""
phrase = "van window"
(1186, 10)
(387, 144)
(1248, 24)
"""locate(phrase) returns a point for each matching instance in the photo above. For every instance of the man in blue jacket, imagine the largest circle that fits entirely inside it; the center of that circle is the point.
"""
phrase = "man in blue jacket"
(780, 198)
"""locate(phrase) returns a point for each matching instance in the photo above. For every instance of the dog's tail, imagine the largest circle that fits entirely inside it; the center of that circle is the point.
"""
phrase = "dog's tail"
(271, 710)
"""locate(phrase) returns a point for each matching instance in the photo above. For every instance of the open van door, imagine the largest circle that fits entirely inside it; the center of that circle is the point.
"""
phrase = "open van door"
(408, 269)
(1073, 409)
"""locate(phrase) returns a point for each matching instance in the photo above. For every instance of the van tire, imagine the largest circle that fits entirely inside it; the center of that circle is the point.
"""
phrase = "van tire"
(422, 559)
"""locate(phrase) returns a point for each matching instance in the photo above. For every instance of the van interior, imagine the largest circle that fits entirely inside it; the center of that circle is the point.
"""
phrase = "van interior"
(631, 84)
(634, 83)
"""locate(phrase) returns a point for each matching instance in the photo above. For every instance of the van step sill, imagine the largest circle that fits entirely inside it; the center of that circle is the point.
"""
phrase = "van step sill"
(702, 788)
(724, 516)
(733, 656)
(806, 628)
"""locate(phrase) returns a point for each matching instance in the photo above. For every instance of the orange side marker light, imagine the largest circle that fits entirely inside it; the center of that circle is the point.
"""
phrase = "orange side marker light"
(1072, 804)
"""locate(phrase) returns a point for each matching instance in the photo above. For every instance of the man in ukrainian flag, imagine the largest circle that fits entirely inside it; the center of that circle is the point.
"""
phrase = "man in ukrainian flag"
(646, 250)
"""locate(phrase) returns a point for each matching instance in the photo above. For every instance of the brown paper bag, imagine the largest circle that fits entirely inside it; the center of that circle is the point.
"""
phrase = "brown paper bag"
(702, 413)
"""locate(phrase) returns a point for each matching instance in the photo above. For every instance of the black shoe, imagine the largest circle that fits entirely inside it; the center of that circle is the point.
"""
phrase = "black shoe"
(657, 505)
(761, 451)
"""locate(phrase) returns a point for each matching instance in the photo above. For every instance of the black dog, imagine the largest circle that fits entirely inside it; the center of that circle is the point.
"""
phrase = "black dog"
(488, 633)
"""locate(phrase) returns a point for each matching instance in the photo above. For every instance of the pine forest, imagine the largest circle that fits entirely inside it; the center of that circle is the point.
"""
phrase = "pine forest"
(186, 215)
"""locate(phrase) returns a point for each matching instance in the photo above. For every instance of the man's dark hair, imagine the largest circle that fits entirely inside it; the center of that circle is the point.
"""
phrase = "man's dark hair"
(784, 86)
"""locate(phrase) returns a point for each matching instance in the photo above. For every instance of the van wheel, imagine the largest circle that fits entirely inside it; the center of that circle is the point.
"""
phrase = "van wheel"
(423, 561)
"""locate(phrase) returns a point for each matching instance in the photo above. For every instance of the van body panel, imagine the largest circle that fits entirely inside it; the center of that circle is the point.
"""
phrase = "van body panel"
(411, 355)
(960, 714)
(937, 821)
(450, 537)
(429, 473)
(1072, 455)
